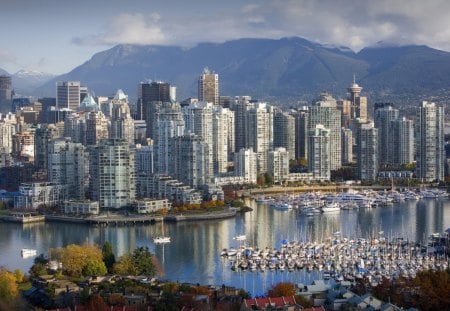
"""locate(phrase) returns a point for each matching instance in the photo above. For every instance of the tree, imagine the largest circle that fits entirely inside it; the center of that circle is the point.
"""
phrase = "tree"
(75, 258)
(19, 275)
(125, 266)
(261, 180)
(8, 286)
(116, 299)
(269, 178)
(282, 289)
(38, 269)
(96, 303)
(143, 260)
(94, 267)
(108, 256)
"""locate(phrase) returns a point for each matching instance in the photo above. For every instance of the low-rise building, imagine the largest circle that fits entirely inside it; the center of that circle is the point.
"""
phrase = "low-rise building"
(147, 206)
(34, 195)
(81, 207)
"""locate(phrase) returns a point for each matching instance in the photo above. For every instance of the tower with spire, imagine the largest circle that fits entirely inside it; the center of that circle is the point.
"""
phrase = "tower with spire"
(359, 103)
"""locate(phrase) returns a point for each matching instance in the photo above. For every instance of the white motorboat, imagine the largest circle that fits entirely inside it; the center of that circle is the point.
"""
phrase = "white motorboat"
(331, 207)
(28, 252)
(161, 239)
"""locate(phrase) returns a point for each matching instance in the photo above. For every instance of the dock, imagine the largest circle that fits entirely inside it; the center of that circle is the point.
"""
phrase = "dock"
(23, 218)
(115, 220)
(204, 216)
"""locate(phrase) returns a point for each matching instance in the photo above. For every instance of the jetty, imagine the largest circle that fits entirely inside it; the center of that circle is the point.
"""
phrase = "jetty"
(107, 220)
(23, 218)
(231, 212)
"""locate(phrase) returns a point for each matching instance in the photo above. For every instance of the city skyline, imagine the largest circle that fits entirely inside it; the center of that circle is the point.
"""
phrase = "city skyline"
(55, 37)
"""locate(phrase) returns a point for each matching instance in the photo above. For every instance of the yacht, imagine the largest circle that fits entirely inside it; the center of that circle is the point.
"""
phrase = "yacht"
(27, 252)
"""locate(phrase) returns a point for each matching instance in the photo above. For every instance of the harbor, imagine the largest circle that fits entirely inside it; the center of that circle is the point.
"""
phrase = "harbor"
(193, 254)
(341, 258)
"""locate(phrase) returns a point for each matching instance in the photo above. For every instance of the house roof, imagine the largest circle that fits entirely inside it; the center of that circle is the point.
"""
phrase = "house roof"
(273, 301)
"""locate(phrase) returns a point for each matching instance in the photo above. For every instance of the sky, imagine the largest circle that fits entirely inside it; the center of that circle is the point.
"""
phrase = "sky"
(55, 36)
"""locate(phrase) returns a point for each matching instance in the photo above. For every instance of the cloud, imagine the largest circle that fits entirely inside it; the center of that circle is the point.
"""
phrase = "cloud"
(135, 28)
(355, 24)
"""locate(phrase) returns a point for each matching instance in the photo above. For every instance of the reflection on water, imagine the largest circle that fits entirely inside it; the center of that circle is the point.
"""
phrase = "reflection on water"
(194, 254)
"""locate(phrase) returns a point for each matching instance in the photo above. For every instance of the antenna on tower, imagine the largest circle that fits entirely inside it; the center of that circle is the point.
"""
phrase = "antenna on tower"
(354, 78)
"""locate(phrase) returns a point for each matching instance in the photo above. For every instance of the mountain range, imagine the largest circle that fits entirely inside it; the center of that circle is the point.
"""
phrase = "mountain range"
(287, 69)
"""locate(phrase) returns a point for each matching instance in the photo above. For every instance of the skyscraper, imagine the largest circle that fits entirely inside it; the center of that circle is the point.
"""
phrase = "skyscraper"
(245, 165)
(208, 87)
(169, 123)
(402, 141)
(151, 96)
(319, 160)
(284, 132)
(301, 134)
(112, 173)
(68, 95)
(42, 136)
(429, 135)
(223, 138)
(240, 106)
(383, 116)
(68, 164)
(324, 111)
(189, 160)
(260, 132)
(347, 146)
(358, 102)
(367, 152)
(5, 94)
(278, 164)
(198, 120)
(122, 124)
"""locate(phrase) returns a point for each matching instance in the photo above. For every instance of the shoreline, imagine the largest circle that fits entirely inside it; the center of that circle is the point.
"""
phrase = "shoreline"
(120, 220)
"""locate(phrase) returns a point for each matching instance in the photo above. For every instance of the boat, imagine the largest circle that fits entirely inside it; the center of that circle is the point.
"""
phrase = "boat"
(331, 207)
(28, 252)
(162, 239)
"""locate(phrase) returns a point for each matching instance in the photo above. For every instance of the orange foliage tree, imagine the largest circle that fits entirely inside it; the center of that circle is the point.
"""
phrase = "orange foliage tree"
(282, 289)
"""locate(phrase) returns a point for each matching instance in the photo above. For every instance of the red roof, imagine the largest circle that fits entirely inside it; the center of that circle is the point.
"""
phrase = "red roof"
(266, 301)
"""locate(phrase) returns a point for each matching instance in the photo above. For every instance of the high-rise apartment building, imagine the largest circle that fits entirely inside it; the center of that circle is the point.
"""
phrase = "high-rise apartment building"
(208, 87)
(169, 123)
(284, 132)
(151, 96)
(198, 120)
(245, 165)
(367, 152)
(96, 128)
(278, 164)
(68, 95)
(189, 160)
(319, 153)
(68, 164)
(122, 124)
(5, 94)
(260, 132)
(429, 135)
(42, 136)
(112, 173)
(347, 146)
(301, 134)
(240, 106)
(223, 139)
(324, 112)
(384, 114)
(402, 141)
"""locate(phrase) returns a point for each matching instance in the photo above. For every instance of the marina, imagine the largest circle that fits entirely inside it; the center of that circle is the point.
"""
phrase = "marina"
(194, 253)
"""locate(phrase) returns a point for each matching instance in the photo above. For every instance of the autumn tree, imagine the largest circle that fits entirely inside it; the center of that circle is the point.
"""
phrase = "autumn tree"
(108, 256)
(125, 266)
(116, 299)
(282, 289)
(8, 286)
(97, 303)
(83, 260)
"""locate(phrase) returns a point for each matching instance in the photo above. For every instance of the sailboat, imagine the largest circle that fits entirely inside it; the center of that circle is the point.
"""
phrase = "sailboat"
(162, 239)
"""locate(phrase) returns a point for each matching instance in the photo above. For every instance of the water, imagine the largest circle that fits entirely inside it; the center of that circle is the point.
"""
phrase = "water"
(194, 254)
